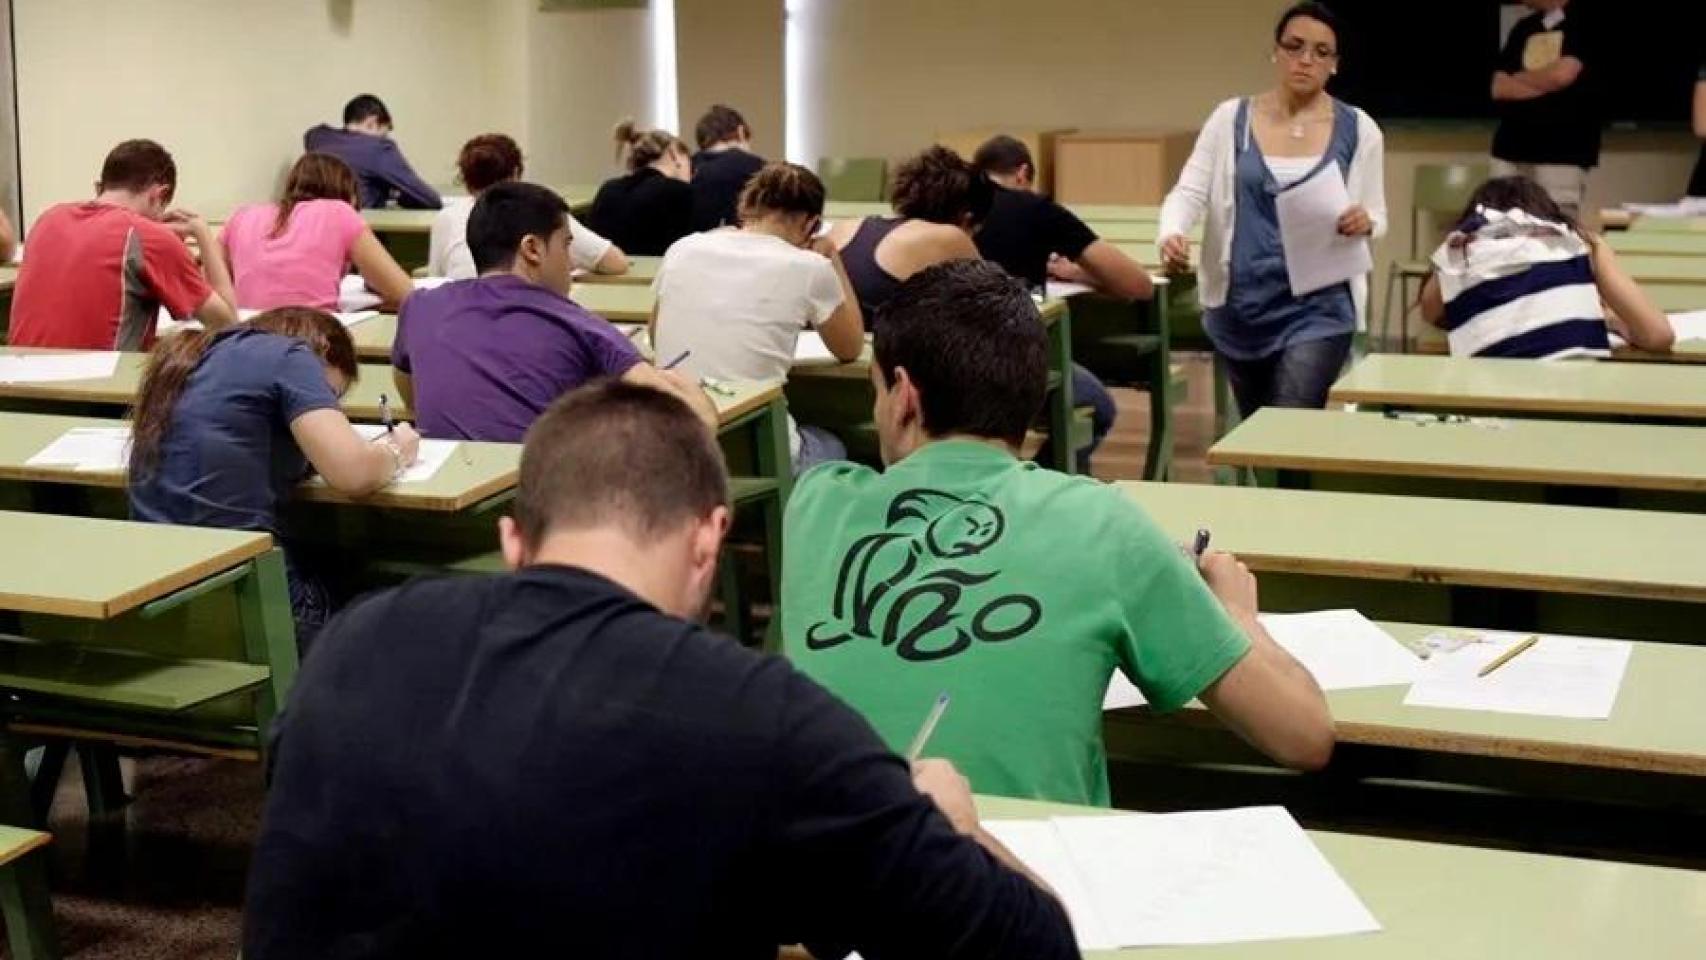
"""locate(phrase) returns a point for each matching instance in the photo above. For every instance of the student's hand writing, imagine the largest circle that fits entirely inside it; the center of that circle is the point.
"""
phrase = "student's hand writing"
(185, 223)
(1231, 582)
(822, 245)
(951, 792)
(1064, 270)
(1355, 222)
(1176, 253)
(407, 441)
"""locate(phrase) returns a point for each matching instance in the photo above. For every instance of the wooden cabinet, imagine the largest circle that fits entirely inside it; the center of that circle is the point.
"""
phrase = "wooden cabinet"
(1119, 166)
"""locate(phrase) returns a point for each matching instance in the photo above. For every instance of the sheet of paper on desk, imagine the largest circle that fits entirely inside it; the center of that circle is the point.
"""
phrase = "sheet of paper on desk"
(1690, 325)
(1060, 289)
(1316, 254)
(1573, 677)
(433, 454)
(1212, 876)
(810, 348)
(87, 448)
(1686, 207)
(1343, 649)
(56, 367)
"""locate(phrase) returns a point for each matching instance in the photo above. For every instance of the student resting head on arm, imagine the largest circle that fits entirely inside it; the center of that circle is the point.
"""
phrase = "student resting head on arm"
(365, 144)
(940, 200)
(722, 167)
(100, 271)
(736, 300)
(483, 358)
(565, 763)
(651, 206)
(295, 253)
(489, 159)
(1018, 591)
(1519, 278)
(207, 449)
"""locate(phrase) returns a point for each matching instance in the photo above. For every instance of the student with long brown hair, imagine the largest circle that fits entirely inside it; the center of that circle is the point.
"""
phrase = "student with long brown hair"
(651, 206)
(295, 252)
(493, 158)
(226, 425)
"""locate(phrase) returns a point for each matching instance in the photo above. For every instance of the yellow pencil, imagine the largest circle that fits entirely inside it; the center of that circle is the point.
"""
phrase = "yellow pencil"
(1509, 655)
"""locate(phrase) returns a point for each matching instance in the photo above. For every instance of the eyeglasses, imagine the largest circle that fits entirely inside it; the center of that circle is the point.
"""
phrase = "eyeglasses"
(1297, 49)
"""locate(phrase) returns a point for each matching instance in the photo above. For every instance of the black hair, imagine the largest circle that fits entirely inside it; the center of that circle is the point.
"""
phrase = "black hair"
(971, 339)
(366, 106)
(1311, 10)
(1003, 155)
(938, 185)
(507, 212)
(1517, 193)
(136, 165)
(721, 122)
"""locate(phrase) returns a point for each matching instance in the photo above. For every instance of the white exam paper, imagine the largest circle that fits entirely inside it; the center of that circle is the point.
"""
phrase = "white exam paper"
(87, 448)
(1575, 677)
(1316, 255)
(1689, 326)
(810, 349)
(432, 456)
(1343, 649)
(57, 367)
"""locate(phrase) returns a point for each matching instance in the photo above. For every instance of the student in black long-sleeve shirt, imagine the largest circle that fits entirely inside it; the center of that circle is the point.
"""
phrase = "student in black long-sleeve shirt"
(556, 762)
(365, 144)
(721, 168)
(651, 207)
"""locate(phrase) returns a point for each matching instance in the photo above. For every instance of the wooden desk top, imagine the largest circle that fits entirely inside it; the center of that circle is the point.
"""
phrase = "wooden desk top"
(8, 277)
(641, 271)
(616, 302)
(1435, 900)
(393, 220)
(1636, 456)
(1657, 268)
(474, 473)
(1613, 218)
(1667, 224)
(856, 209)
(1650, 390)
(98, 569)
(1656, 243)
(1519, 546)
(1676, 297)
(1110, 212)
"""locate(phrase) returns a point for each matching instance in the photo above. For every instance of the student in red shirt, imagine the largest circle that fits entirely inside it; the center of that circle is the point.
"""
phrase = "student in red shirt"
(100, 270)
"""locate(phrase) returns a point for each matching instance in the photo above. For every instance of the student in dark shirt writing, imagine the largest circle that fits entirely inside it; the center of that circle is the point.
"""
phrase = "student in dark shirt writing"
(365, 144)
(558, 762)
(721, 168)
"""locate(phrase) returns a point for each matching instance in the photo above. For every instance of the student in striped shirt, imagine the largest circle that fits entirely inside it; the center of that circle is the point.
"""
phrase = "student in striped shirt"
(1519, 278)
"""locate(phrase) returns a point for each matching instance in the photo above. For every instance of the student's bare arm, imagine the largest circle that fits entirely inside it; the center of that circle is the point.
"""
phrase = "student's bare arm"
(844, 332)
(350, 465)
(8, 239)
(670, 382)
(1111, 272)
(1630, 312)
(1433, 302)
(380, 270)
(405, 384)
(220, 309)
(951, 792)
(1700, 109)
(1267, 697)
(613, 262)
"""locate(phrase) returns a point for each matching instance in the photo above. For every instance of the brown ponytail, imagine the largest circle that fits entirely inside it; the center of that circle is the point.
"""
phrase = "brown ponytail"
(315, 176)
(176, 357)
(638, 149)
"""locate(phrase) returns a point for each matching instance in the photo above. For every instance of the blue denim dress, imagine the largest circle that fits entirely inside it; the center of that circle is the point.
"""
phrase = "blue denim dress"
(1261, 317)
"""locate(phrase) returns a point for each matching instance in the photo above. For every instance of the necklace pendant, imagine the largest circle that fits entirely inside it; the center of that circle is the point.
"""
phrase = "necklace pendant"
(1297, 131)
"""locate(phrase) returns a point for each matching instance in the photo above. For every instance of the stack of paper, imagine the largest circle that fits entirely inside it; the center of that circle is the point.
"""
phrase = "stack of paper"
(1689, 326)
(1221, 876)
(1317, 256)
(432, 456)
(56, 367)
(1573, 677)
(87, 448)
(1686, 207)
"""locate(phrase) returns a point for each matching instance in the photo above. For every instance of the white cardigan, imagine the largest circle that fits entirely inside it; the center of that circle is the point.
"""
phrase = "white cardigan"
(1207, 188)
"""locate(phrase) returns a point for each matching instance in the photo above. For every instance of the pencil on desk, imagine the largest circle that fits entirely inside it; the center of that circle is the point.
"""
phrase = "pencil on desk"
(1510, 655)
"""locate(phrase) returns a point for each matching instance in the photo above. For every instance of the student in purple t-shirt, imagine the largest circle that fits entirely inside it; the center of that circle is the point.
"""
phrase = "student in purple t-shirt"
(481, 359)
(365, 144)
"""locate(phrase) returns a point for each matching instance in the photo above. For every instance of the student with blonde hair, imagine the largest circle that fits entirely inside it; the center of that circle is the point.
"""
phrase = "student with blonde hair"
(651, 206)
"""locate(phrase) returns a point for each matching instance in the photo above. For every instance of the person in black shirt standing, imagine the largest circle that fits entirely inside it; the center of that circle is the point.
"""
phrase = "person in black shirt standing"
(652, 206)
(557, 762)
(1037, 240)
(1549, 119)
(721, 168)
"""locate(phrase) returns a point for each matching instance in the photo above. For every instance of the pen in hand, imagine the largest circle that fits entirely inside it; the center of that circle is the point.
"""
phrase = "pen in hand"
(919, 741)
(1201, 545)
(385, 412)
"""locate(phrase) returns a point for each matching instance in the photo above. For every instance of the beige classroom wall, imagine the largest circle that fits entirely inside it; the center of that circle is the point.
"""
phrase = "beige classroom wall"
(586, 71)
(229, 86)
(730, 51)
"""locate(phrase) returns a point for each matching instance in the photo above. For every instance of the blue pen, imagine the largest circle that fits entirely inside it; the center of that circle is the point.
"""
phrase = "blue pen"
(1198, 548)
(677, 361)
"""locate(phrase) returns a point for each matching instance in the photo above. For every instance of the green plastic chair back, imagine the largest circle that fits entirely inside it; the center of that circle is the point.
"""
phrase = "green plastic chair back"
(1439, 192)
(854, 178)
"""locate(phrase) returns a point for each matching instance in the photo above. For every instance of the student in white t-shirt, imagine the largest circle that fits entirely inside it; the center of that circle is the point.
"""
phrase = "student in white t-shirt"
(495, 158)
(736, 300)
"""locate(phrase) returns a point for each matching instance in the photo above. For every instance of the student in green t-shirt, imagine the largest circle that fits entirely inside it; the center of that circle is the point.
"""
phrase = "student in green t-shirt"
(1016, 590)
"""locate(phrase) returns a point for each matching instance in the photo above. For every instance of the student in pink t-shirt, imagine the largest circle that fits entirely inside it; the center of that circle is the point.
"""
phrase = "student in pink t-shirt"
(294, 253)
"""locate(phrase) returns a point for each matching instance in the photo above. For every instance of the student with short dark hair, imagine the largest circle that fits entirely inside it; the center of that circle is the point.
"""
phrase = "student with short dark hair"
(722, 167)
(483, 358)
(365, 144)
(1018, 591)
(529, 764)
(227, 424)
(650, 207)
(940, 200)
(295, 253)
(485, 160)
(736, 300)
(100, 271)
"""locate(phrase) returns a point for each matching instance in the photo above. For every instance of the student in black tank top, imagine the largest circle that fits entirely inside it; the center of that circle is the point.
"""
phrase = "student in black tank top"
(722, 167)
(652, 206)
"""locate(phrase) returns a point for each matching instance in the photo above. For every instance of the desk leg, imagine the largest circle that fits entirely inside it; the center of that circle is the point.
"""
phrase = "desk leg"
(269, 635)
(27, 908)
(775, 460)
(1060, 414)
(1158, 465)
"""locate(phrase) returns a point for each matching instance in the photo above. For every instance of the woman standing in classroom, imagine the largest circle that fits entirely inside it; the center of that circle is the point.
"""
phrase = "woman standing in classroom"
(1278, 349)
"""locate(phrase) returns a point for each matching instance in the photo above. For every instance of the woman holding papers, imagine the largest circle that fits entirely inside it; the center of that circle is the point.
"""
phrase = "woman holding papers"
(294, 253)
(227, 424)
(1282, 283)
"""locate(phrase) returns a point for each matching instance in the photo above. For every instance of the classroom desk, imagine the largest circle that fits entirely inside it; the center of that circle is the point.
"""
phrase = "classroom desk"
(616, 302)
(1613, 218)
(1435, 900)
(1112, 212)
(395, 220)
(1432, 343)
(119, 390)
(1676, 297)
(1648, 391)
(1532, 454)
(1536, 566)
(856, 209)
(1667, 225)
(1655, 268)
(1655, 243)
(641, 271)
